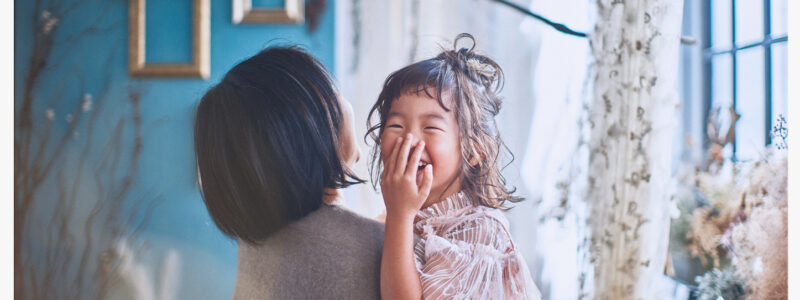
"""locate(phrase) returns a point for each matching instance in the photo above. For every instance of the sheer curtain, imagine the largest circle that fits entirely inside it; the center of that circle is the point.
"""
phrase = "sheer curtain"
(554, 164)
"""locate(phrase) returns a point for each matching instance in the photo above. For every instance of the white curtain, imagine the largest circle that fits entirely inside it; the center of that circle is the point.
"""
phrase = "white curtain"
(633, 118)
(555, 162)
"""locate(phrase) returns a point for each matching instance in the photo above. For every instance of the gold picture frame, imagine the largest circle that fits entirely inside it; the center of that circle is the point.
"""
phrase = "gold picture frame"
(199, 67)
(292, 12)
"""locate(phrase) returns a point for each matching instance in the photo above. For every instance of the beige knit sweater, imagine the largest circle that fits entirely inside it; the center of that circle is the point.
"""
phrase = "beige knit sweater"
(330, 254)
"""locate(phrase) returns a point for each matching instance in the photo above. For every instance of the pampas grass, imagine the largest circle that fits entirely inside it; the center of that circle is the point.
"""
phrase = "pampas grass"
(740, 228)
(709, 222)
(759, 244)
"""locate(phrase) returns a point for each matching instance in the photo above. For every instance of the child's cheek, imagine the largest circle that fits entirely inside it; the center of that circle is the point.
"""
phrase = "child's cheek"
(444, 157)
(386, 146)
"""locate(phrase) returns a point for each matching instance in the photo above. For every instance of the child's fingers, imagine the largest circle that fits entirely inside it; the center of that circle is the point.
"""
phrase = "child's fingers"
(411, 168)
(402, 156)
(388, 164)
(427, 182)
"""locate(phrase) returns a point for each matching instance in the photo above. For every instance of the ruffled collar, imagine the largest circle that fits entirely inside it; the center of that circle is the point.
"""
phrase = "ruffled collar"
(449, 206)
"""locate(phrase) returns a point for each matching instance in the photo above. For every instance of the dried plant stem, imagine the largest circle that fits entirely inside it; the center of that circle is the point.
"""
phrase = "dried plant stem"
(60, 268)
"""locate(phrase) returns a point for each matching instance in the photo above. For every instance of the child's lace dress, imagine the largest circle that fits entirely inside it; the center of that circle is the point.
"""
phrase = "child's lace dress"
(465, 251)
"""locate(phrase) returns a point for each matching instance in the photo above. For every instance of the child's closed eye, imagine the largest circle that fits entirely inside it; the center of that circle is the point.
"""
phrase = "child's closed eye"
(394, 126)
(433, 128)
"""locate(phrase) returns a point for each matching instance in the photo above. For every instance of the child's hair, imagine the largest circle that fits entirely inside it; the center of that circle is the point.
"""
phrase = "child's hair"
(266, 141)
(469, 83)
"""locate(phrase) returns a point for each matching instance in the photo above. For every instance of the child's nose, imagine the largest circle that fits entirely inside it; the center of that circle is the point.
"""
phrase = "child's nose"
(414, 139)
(415, 142)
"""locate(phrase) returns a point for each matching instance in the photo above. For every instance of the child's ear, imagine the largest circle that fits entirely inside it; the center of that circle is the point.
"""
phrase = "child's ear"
(475, 158)
(473, 162)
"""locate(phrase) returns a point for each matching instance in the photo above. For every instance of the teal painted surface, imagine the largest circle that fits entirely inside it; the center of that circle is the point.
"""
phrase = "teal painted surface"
(180, 222)
(268, 3)
(172, 43)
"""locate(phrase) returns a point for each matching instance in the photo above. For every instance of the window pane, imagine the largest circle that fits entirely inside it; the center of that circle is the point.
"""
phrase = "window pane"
(749, 21)
(750, 130)
(779, 82)
(721, 23)
(778, 11)
(721, 77)
(722, 93)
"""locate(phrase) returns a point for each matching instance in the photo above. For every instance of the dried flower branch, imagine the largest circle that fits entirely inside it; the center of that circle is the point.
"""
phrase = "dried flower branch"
(53, 259)
(718, 139)
(759, 244)
(744, 219)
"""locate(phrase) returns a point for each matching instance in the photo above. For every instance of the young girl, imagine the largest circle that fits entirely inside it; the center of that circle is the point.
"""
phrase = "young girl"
(438, 146)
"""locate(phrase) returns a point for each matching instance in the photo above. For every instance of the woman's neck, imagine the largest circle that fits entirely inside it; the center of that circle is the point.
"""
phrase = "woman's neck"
(331, 196)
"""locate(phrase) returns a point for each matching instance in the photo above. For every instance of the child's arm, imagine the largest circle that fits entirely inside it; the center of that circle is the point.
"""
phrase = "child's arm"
(399, 277)
(403, 197)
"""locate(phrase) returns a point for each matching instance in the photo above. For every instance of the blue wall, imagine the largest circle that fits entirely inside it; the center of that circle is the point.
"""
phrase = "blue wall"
(166, 168)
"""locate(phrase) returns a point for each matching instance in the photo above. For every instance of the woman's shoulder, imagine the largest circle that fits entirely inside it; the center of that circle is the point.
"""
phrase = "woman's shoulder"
(341, 216)
(344, 225)
(329, 225)
(332, 245)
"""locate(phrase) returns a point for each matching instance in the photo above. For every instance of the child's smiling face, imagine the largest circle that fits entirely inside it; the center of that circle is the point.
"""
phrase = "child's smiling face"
(426, 120)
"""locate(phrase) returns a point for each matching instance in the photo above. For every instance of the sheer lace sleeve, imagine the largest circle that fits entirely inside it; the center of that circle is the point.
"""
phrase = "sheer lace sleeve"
(467, 253)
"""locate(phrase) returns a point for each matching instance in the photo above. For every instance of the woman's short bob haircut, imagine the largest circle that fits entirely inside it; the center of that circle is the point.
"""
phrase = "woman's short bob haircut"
(265, 140)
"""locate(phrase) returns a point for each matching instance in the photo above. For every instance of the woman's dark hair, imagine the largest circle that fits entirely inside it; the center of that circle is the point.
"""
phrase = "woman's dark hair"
(469, 83)
(265, 140)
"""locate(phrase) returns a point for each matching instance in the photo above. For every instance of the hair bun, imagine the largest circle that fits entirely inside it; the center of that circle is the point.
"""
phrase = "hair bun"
(463, 35)
(472, 63)
(475, 65)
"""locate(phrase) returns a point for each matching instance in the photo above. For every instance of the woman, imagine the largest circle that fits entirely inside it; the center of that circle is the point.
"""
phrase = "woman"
(274, 144)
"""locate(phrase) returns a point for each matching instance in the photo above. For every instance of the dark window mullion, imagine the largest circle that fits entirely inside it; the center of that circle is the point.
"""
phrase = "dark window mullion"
(767, 74)
(733, 67)
(768, 40)
(707, 71)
